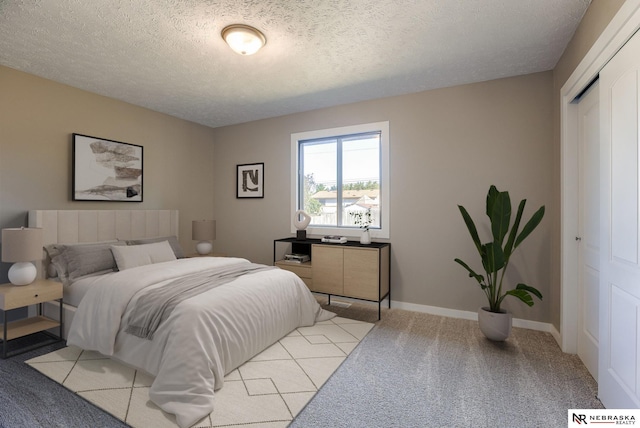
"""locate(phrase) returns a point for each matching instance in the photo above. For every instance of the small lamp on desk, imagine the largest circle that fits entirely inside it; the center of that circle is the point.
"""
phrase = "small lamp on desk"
(21, 246)
(203, 231)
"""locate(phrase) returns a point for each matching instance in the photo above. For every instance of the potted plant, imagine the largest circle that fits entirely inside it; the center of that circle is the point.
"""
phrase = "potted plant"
(363, 219)
(495, 322)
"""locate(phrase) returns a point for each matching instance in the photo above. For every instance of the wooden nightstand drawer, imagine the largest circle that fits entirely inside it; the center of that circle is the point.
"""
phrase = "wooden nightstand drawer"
(39, 291)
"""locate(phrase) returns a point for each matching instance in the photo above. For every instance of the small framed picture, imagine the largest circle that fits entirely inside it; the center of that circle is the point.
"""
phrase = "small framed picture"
(250, 180)
(106, 170)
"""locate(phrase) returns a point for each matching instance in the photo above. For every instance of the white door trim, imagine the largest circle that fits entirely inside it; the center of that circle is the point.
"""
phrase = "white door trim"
(623, 25)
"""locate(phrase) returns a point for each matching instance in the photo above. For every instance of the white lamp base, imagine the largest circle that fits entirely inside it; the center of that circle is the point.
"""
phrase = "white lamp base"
(22, 273)
(204, 247)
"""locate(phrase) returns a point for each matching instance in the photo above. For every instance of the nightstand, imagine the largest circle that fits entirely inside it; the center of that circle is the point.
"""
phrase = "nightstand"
(18, 296)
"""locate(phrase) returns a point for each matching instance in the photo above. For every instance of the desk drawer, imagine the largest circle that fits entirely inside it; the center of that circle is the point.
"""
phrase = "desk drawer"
(303, 270)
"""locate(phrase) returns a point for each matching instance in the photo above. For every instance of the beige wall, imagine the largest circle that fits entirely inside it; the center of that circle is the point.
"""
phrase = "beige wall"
(37, 118)
(447, 147)
(595, 20)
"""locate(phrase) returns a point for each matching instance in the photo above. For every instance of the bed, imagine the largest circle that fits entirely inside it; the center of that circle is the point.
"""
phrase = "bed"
(84, 226)
(189, 344)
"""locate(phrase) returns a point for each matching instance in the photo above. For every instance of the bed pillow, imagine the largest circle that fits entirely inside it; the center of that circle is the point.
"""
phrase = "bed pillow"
(52, 251)
(144, 254)
(173, 241)
(75, 261)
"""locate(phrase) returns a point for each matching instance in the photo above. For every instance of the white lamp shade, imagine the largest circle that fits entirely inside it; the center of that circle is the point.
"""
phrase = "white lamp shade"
(22, 246)
(203, 230)
(243, 39)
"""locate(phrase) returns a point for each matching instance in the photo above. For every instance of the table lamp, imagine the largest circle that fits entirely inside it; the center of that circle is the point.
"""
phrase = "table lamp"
(21, 246)
(203, 231)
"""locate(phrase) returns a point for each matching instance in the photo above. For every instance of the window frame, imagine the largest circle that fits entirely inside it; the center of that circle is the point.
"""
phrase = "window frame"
(385, 191)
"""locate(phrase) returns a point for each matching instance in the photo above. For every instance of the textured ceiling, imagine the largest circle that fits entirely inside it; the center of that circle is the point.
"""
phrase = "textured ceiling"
(167, 55)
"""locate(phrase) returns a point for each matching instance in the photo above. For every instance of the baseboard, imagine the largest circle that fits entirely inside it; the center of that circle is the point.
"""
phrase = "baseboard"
(455, 313)
(556, 335)
(467, 315)
(435, 310)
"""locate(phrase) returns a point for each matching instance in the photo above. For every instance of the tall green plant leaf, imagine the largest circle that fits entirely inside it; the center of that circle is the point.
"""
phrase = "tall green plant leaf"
(522, 292)
(492, 195)
(508, 248)
(472, 273)
(533, 222)
(530, 289)
(500, 217)
(522, 295)
(493, 259)
(472, 228)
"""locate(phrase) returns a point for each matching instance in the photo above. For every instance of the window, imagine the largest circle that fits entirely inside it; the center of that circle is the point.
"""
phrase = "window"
(339, 172)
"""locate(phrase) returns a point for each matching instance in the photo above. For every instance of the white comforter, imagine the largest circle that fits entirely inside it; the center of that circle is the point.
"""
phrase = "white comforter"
(204, 338)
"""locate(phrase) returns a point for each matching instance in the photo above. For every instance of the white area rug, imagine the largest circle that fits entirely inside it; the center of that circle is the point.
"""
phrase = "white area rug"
(269, 390)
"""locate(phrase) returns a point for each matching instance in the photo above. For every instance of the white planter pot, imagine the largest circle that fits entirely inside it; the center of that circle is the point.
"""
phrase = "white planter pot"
(366, 237)
(495, 326)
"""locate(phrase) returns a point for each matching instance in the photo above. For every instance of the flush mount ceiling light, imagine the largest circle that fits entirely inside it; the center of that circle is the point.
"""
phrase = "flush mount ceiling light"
(243, 39)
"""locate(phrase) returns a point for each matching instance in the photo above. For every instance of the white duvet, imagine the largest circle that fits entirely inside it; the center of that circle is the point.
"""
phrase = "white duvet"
(204, 338)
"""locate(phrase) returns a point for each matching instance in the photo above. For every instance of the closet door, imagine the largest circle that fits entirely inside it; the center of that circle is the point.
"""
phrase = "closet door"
(589, 229)
(619, 356)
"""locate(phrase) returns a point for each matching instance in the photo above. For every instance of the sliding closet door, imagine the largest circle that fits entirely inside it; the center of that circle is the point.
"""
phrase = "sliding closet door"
(589, 229)
(619, 357)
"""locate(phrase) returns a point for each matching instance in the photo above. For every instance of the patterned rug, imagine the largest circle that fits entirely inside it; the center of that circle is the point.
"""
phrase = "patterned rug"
(270, 389)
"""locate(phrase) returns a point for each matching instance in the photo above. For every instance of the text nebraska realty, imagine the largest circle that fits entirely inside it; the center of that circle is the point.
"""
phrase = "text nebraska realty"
(605, 419)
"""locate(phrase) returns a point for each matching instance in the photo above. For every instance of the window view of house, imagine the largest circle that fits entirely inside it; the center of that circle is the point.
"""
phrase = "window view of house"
(340, 176)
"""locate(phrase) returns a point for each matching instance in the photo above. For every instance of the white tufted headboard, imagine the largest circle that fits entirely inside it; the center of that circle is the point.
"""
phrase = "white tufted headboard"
(74, 226)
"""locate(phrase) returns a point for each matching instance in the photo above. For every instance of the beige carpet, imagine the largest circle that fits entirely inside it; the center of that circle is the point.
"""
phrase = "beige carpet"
(420, 370)
(269, 390)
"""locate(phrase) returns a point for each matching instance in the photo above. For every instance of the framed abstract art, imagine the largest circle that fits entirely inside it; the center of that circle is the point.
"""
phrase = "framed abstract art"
(250, 180)
(106, 170)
